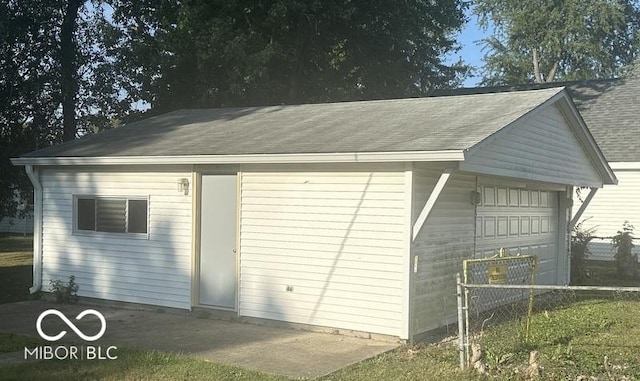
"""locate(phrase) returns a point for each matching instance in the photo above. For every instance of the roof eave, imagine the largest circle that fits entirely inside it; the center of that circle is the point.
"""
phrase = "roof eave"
(304, 158)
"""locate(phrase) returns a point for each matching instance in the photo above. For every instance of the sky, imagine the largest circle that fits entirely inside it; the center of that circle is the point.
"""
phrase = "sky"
(471, 53)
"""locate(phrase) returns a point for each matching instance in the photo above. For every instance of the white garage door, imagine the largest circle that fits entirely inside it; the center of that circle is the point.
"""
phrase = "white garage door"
(520, 221)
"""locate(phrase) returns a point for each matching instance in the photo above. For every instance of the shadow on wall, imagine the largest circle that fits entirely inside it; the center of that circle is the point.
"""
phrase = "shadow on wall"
(338, 255)
(118, 266)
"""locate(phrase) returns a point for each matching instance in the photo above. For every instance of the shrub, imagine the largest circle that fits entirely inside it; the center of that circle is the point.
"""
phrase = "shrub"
(626, 261)
(580, 239)
(65, 293)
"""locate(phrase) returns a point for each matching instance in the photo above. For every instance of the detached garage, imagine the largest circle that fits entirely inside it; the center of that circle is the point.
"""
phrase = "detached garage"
(353, 216)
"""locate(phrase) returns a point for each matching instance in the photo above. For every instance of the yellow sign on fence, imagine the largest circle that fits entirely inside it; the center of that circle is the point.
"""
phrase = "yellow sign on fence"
(497, 274)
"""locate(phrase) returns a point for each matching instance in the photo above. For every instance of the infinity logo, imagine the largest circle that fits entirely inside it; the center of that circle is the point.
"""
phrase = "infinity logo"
(71, 325)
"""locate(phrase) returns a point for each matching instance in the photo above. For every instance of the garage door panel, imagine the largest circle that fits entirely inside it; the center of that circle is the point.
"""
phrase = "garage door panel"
(522, 221)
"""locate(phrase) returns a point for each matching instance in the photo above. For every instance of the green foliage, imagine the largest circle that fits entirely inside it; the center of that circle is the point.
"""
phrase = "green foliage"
(233, 53)
(571, 39)
(626, 261)
(65, 293)
(580, 239)
(31, 82)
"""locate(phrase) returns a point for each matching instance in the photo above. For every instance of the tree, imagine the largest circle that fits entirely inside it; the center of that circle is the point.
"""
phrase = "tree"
(551, 40)
(626, 260)
(51, 75)
(230, 53)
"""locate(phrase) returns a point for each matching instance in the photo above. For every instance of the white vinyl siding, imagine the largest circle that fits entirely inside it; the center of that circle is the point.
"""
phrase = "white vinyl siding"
(446, 238)
(150, 269)
(542, 148)
(334, 239)
(613, 205)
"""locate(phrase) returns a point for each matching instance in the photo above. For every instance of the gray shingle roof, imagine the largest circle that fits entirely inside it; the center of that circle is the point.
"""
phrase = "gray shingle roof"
(416, 124)
(611, 110)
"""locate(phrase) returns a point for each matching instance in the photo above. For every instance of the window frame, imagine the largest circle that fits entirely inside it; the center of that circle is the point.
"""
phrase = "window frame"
(124, 234)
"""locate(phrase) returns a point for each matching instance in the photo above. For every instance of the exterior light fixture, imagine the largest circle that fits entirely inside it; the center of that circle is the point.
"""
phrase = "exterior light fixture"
(183, 186)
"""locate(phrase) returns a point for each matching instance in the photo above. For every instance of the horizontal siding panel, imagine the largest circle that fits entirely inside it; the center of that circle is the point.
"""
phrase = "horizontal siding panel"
(151, 269)
(108, 271)
(350, 211)
(316, 287)
(329, 267)
(91, 259)
(613, 205)
(88, 281)
(324, 187)
(363, 277)
(444, 241)
(327, 233)
(323, 178)
(294, 215)
(333, 237)
(306, 202)
(310, 195)
(293, 254)
(542, 148)
(101, 240)
(309, 247)
(138, 281)
(124, 251)
(284, 276)
(346, 241)
(355, 306)
(379, 226)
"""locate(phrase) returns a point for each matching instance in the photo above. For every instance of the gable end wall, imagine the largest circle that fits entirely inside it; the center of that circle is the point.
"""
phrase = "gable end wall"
(542, 148)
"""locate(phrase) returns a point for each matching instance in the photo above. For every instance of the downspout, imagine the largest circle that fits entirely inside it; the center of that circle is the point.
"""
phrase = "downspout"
(37, 228)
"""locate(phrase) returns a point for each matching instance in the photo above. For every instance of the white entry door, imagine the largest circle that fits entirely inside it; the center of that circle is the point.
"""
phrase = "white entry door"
(218, 217)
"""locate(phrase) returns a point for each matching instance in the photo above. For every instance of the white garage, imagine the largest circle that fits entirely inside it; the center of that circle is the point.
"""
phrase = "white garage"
(351, 216)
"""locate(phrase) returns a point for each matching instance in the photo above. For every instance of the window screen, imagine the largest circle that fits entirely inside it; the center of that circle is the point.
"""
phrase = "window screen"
(111, 214)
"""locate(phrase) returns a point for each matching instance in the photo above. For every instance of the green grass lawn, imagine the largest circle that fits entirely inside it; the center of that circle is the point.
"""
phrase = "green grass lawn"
(16, 267)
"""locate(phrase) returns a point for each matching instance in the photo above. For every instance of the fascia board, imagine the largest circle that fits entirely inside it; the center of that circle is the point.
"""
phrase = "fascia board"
(356, 157)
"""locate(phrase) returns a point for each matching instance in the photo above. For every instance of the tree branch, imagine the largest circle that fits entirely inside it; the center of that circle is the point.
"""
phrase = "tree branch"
(552, 72)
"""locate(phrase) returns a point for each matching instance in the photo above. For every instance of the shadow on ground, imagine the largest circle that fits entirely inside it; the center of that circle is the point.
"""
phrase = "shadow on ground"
(15, 282)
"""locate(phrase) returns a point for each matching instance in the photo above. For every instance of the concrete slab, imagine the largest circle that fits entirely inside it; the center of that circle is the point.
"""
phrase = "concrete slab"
(291, 353)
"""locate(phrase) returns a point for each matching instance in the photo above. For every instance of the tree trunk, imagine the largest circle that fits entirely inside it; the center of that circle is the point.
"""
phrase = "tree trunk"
(552, 72)
(68, 63)
(536, 66)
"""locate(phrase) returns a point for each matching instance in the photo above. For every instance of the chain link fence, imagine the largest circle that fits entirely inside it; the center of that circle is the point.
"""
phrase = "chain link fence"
(602, 249)
(543, 324)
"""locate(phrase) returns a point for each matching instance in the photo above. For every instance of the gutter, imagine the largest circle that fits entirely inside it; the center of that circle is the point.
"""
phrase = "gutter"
(301, 158)
(37, 228)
